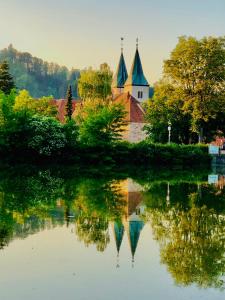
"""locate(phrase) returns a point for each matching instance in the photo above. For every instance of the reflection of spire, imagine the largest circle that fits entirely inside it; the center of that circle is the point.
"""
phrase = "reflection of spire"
(134, 231)
(118, 229)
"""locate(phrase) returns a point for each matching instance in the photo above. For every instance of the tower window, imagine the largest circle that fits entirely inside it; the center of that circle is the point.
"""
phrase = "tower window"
(140, 95)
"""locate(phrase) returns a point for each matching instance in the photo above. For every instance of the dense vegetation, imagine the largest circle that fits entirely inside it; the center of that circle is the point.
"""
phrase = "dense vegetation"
(191, 95)
(39, 77)
(30, 130)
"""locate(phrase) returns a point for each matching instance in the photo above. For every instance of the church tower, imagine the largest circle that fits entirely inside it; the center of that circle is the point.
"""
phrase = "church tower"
(136, 84)
(121, 75)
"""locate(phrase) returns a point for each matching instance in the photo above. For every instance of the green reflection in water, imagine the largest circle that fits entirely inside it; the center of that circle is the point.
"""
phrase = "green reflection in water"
(186, 214)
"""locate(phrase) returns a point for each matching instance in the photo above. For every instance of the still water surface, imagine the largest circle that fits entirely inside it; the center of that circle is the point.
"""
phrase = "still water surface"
(133, 235)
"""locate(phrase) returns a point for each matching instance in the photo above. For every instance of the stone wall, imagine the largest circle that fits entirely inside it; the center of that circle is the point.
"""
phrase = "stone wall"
(135, 133)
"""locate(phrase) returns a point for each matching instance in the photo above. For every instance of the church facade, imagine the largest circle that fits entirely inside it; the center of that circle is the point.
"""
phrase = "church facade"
(131, 91)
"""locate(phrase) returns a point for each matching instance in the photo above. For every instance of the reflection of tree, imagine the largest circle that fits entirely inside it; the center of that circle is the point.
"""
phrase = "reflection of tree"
(93, 230)
(191, 237)
(98, 202)
(6, 230)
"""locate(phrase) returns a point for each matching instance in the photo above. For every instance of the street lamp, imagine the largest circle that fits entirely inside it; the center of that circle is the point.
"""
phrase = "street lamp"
(169, 131)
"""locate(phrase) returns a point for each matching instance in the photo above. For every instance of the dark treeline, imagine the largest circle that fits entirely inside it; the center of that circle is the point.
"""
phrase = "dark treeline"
(39, 77)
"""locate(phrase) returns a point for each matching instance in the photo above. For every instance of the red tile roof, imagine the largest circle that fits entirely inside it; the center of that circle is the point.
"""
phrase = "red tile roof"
(61, 107)
(135, 112)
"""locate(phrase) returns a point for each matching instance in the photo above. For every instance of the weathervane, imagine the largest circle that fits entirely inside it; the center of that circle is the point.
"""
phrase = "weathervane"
(122, 39)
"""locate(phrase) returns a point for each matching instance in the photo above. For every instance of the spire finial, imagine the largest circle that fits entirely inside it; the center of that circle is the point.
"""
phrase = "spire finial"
(137, 42)
(122, 39)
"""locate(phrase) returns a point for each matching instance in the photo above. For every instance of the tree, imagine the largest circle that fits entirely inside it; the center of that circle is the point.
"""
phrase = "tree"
(42, 106)
(69, 105)
(95, 84)
(100, 124)
(196, 69)
(165, 107)
(48, 136)
(6, 80)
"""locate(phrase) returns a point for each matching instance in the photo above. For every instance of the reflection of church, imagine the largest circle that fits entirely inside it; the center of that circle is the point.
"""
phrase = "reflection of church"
(132, 222)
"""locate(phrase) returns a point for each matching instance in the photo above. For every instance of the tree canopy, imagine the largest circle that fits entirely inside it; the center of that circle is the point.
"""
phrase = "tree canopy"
(192, 93)
(95, 84)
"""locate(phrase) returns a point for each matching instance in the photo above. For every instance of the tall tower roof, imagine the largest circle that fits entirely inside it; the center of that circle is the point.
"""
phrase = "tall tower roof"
(136, 76)
(121, 73)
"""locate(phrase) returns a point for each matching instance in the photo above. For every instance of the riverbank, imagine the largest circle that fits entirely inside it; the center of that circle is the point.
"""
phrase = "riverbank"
(121, 153)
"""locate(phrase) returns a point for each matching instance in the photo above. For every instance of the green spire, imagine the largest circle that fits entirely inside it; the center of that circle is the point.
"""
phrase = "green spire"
(136, 76)
(121, 73)
(118, 232)
(135, 228)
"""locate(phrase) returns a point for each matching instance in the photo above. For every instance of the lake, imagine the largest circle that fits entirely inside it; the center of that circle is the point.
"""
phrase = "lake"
(73, 233)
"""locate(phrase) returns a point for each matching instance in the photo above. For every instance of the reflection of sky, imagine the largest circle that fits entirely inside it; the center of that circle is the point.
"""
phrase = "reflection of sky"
(81, 33)
(54, 265)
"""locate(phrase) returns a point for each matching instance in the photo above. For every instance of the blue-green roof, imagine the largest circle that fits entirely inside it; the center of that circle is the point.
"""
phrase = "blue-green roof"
(136, 76)
(118, 231)
(135, 228)
(121, 74)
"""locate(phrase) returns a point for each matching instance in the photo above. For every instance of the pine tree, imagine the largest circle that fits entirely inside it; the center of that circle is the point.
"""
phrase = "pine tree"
(6, 80)
(69, 105)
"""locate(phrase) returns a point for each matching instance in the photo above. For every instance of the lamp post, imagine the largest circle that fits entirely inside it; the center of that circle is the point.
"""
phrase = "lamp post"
(169, 131)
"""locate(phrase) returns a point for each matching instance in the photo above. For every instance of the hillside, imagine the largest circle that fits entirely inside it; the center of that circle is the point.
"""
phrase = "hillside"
(39, 77)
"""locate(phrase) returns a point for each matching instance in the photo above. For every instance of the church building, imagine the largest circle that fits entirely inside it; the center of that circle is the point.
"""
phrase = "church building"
(131, 91)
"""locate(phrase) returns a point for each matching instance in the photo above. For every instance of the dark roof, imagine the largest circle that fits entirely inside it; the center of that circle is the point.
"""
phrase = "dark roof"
(135, 112)
(136, 76)
(121, 74)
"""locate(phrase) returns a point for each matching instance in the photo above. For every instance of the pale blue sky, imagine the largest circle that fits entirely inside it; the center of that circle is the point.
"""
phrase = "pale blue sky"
(82, 33)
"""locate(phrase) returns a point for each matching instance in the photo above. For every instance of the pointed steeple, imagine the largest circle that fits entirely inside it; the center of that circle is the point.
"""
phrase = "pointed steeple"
(136, 76)
(121, 74)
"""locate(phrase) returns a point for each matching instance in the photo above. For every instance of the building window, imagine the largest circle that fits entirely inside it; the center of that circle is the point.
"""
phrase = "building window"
(140, 95)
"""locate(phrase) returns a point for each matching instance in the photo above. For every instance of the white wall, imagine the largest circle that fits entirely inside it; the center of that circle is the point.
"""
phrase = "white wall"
(133, 90)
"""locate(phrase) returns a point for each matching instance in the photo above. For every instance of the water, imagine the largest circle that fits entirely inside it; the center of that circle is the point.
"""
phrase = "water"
(133, 234)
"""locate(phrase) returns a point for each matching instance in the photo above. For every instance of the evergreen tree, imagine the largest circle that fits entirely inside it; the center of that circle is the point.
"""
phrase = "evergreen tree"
(69, 106)
(6, 80)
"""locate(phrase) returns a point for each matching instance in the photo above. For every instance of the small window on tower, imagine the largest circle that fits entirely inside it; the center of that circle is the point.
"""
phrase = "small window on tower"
(140, 95)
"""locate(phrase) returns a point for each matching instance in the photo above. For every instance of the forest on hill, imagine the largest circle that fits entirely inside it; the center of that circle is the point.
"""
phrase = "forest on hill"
(39, 77)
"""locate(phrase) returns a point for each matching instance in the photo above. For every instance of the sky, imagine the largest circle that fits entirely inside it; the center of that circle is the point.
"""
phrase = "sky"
(83, 33)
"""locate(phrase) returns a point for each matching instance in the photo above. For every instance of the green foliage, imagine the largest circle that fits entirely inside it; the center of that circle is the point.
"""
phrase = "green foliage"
(6, 107)
(95, 84)
(48, 136)
(40, 78)
(166, 107)
(42, 106)
(186, 155)
(100, 124)
(196, 69)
